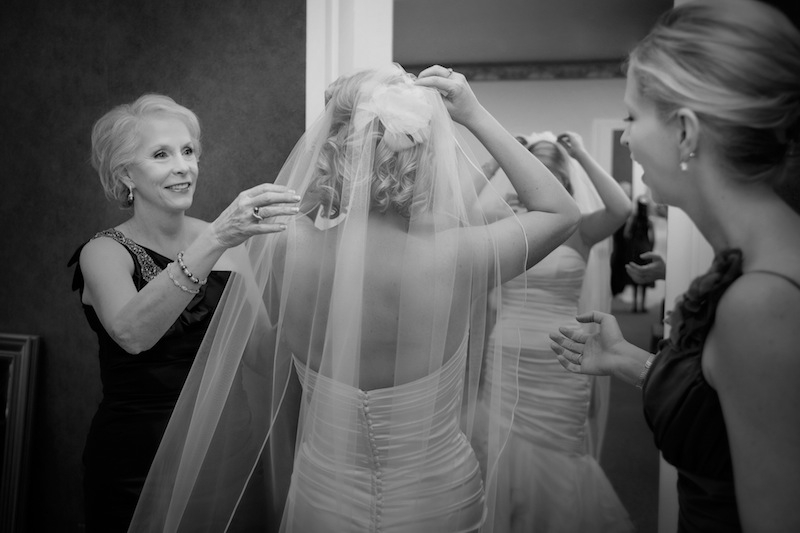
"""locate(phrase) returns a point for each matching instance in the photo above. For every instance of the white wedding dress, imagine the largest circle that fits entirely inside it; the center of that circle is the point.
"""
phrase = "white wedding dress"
(327, 394)
(547, 479)
(419, 476)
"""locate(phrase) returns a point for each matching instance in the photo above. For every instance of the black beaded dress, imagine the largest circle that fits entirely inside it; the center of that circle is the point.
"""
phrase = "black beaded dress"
(139, 394)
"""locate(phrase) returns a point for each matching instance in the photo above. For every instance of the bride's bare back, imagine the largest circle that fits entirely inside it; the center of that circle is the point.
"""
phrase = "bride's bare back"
(404, 297)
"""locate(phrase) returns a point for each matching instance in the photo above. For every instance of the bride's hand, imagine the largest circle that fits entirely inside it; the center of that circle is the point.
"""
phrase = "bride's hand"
(458, 97)
(572, 143)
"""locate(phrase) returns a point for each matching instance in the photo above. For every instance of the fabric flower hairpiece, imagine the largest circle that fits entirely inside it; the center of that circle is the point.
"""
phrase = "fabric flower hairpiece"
(405, 112)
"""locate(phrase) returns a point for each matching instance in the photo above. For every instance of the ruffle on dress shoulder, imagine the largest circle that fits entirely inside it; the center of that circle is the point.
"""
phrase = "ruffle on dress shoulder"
(694, 312)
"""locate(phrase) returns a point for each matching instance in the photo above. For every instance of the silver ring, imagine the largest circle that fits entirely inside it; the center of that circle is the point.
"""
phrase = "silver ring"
(449, 72)
(580, 359)
(256, 214)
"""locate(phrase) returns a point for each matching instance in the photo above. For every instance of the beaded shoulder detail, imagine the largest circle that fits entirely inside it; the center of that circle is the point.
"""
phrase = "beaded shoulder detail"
(148, 267)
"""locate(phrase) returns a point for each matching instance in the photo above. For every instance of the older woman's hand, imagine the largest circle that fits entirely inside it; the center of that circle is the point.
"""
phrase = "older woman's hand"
(251, 213)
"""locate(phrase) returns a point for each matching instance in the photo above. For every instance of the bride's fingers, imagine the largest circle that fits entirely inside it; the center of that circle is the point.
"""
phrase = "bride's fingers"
(449, 84)
(436, 70)
(447, 87)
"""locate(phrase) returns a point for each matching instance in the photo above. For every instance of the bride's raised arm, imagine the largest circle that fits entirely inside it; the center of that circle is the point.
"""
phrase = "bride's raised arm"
(552, 213)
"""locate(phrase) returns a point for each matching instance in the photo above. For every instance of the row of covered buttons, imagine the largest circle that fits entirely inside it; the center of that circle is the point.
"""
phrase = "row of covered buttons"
(376, 471)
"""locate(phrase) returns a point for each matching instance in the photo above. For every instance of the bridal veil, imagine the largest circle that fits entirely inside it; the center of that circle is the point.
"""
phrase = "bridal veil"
(381, 280)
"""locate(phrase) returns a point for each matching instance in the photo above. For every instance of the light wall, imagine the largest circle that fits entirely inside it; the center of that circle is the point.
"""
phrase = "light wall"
(555, 105)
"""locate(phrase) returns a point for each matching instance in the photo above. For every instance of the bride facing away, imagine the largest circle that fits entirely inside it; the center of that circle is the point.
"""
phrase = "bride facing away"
(374, 300)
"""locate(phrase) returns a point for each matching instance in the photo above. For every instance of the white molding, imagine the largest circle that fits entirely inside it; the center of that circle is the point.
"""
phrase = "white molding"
(602, 149)
(688, 256)
(343, 36)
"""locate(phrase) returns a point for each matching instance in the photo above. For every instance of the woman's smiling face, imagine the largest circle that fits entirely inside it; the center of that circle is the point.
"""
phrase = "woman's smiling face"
(653, 144)
(164, 174)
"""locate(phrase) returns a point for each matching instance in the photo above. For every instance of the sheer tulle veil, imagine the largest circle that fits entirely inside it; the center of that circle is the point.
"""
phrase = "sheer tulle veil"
(596, 288)
(382, 282)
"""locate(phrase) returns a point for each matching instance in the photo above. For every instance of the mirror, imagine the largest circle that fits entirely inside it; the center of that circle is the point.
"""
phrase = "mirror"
(18, 358)
(557, 66)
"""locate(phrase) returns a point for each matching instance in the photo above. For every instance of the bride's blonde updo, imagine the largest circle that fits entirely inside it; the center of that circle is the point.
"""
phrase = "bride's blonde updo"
(398, 114)
(737, 65)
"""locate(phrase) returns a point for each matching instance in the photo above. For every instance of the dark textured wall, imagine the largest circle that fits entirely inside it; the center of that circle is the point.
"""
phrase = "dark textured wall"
(240, 65)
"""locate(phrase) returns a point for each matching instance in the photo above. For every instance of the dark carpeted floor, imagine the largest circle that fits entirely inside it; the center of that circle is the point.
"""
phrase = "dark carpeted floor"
(629, 457)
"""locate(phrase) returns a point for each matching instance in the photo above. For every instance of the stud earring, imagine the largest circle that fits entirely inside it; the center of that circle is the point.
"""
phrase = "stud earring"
(130, 195)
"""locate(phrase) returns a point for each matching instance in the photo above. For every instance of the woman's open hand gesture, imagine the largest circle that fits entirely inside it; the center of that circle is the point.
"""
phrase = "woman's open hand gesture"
(583, 352)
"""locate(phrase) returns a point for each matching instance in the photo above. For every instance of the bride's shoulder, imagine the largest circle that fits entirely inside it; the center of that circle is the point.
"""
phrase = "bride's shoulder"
(305, 238)
(303, 231)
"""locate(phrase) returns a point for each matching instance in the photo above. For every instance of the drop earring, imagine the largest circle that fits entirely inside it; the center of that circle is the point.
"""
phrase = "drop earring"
(684, 165)
(130, 195)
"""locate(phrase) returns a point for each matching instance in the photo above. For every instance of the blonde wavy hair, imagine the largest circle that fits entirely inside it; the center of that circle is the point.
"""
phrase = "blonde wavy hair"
(737, 65)
(394, 172)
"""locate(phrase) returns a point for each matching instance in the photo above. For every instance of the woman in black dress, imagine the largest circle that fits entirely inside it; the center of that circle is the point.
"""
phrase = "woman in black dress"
(149, 287)
(639, 239)
(714, 100)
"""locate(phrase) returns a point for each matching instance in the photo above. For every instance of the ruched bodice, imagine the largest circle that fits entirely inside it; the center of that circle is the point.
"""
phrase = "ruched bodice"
(396, 456)
(555, 280)
(546, 294)
(553, 404)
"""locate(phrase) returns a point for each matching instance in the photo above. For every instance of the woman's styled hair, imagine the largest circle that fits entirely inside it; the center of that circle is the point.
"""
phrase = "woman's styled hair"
(115, 138)
(736, 64)
(395, 168)
(555, 158)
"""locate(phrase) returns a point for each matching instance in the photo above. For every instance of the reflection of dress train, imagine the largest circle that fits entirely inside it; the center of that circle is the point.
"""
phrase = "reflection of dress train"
(419, 475)
(547, 480)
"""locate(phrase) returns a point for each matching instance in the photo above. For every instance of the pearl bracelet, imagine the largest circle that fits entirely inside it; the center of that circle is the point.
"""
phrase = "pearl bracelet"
(178, 284)
(186, 271)
(645, 371)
